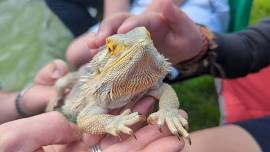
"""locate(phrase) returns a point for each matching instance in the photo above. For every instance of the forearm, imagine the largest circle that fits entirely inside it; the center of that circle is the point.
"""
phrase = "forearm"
(114, 6)
(155, 5)
(245, 52)
(30, 134)
(7, 107)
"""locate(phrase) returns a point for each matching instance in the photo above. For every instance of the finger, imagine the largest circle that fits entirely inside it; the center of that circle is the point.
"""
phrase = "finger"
(92, 41)
(92, 140)
(175, 18)
(144, 107)
(79, 52)
(93, 47)
(74, 147)
(35, 132)
(149, 20)
(109, 26)
(144, 136)
(116, 111)
(40, 150)
(134, 21)
(154, 23)
(51, 72)
(165, 144)
(36, 99)
(52, 148)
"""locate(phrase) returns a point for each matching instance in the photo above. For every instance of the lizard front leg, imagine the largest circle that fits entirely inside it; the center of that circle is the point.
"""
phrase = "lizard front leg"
(168, 111)
(66, 82)
(93, 120)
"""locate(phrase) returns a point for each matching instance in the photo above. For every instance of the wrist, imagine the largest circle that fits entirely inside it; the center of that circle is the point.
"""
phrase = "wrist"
(205, 39)
(7, 108)
(199, 63)
(20, 103)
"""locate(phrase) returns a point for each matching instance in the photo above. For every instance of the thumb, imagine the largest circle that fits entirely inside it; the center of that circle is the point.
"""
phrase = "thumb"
(51, 72)
(173, 15)
(32, 133)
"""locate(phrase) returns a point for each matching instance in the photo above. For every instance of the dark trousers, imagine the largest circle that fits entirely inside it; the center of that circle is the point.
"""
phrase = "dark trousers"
(74, 13)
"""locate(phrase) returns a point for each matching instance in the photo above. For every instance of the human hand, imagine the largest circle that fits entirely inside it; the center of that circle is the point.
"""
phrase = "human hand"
(30, 134)
(82, 49)
(145, 106)
(173, 33)
(148, 138)
(78, 52)
(35, 100)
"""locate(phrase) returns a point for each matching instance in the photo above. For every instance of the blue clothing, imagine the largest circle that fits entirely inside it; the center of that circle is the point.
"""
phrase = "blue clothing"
(259, 129)
(212, 13)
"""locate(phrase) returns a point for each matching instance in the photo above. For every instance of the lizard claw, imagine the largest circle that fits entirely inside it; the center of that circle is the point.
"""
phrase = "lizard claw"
(160, 128)
(132, 134)
(189, 140)
(176, 124)
(121, 122)
(177, 135)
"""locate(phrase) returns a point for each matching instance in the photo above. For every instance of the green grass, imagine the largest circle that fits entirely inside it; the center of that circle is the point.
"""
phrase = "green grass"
(261, 9)
(198, 98)
(31, 36)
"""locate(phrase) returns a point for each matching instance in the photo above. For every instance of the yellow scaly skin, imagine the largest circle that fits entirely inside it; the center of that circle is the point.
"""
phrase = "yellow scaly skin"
(128, 67)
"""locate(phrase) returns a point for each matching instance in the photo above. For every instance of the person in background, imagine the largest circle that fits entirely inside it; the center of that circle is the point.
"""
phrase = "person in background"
(76, 15)
(79, 15)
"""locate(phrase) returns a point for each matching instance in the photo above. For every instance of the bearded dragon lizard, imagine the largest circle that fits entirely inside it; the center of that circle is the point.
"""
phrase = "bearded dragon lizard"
(125, 69)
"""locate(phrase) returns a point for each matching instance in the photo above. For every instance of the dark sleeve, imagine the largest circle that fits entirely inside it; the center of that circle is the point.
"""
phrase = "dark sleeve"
(239, 54)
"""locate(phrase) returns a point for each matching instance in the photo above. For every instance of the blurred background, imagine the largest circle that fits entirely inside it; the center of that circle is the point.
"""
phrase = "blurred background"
(32, 35)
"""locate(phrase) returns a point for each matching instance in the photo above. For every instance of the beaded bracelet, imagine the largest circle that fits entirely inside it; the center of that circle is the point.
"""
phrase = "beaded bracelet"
(199, 63)
(18, 100)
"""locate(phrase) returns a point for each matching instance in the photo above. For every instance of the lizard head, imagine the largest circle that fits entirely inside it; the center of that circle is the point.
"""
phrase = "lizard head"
(134, 51)
(131, 63)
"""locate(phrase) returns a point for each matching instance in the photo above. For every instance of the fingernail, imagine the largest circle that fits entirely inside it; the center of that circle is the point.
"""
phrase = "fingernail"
(101, 36)
(59, 69)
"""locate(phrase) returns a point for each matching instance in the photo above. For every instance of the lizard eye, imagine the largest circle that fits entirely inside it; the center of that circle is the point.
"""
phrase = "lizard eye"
(110, 46)
(114, 47)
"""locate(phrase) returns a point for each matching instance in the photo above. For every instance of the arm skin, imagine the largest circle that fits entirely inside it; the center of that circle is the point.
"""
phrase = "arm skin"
(34, 101)
(245, 52)
(114, 6)
(155, 6)
(30, 134)
(8, 107)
